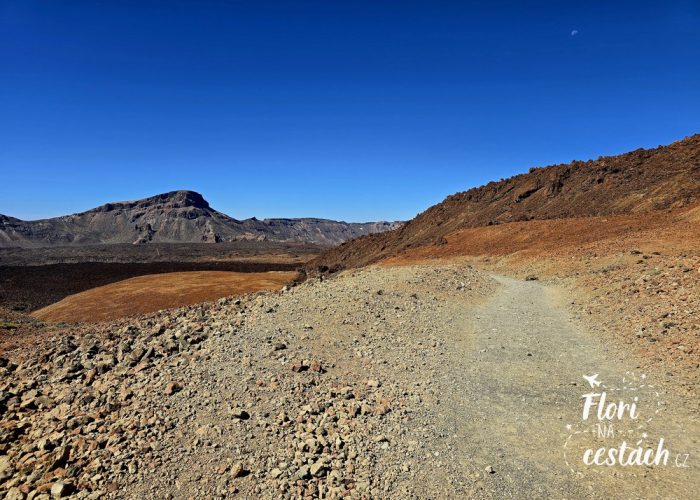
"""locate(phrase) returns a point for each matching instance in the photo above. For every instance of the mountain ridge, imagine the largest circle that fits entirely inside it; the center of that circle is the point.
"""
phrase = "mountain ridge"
(637, 182)
(181, 216)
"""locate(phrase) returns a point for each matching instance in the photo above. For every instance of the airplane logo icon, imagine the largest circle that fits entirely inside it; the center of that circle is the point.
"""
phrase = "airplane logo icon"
(593, 380)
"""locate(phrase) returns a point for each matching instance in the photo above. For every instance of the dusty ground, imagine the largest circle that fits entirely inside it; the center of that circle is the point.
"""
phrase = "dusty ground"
(403, 382)
(632, 279)
(150, 293)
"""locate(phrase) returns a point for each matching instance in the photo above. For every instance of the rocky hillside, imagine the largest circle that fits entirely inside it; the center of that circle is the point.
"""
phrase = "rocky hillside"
(175, 217)
(642, 181)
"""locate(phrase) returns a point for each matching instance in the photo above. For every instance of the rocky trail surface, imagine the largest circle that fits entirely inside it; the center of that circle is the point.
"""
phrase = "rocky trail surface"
(522, 384)
(405, 382)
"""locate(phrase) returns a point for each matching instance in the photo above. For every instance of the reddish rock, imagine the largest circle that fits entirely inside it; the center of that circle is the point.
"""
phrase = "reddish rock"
(298, 366)
(172, 388)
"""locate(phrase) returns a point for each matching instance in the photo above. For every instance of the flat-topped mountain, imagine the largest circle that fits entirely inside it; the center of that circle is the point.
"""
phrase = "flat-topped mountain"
(175, 217)
(642, 181)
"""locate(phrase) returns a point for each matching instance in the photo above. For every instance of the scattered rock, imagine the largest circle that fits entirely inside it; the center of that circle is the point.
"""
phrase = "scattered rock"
(6, 468)
(298, 366)
(238, 470)
(172, 388)
(318, 469)
(61, 489)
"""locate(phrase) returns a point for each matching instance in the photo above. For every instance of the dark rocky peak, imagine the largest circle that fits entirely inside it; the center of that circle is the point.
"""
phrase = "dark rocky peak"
(173, 199)
(183, 199)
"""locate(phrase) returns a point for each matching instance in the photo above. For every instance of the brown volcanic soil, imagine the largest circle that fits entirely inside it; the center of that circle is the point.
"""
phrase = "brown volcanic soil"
(27, 288)
(642, 181)
(677, 230)
(634, 279)
(146, 294)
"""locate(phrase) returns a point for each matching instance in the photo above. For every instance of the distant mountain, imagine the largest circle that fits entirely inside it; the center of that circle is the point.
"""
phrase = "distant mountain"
(638, 182)
(175, 217)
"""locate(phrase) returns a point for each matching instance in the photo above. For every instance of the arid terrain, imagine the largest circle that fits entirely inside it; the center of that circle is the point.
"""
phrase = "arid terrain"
(634, 279)
(28, 288)
(444, 359)
(32, 278)
(163, 233)
(637, 183)
(409, 381)
(152, 292)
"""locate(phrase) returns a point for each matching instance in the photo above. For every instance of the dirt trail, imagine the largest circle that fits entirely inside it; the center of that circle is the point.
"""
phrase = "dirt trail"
(521, 364)
(432, 381)
(482, 378)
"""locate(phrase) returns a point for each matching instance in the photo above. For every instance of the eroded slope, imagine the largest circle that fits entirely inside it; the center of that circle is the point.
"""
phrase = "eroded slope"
(642, 181)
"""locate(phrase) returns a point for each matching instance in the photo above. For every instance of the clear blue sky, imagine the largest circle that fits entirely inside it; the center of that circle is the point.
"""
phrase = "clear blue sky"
(350, 110)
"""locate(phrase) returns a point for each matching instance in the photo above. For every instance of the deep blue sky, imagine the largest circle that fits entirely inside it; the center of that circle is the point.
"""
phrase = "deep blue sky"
(348, 110)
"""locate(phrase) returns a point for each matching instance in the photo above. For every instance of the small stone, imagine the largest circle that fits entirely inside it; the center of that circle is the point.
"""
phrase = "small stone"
(298, 366)
(318, 469)
(490, 470)
(6, 469)
(141, 366)
(275, 473)
(172, 388)
(61, 489)
(237, 470)
(382, 408)
(303, 472)
(59, 458)
(315, 366)
(14, 493)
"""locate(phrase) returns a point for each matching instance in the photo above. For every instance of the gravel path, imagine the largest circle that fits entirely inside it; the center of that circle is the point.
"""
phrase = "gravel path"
(522, 367)
(405, 382)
